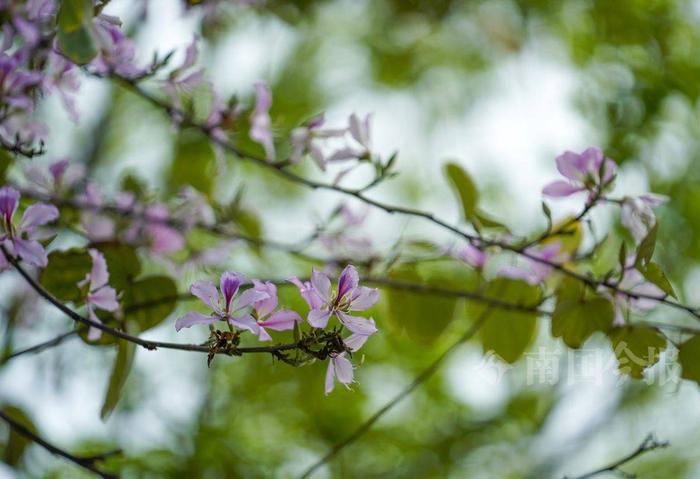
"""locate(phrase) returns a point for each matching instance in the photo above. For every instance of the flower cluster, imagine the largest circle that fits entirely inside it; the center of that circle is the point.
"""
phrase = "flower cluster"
(21, 239)
(32, 65)
(99, 294)
(255, 310)
(589, 171)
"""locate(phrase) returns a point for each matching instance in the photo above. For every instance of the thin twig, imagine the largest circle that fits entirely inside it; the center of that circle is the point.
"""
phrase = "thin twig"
(280, 169)
(649, 444)
(150, 345)
(84, 462)
(37, 348)
(420, 379)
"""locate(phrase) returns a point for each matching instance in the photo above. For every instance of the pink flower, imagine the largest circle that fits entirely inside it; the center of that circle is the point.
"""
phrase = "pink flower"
(260, 129)
(473, 256)
(100, 294)
(56, 179)
(306, 139)
(267, 317)
(340, 368)
(222, 305)
(533, 271)
(637, 214)
(324, 303)
(634, 282)
(582, 171)
(360, 131)
(20, 239)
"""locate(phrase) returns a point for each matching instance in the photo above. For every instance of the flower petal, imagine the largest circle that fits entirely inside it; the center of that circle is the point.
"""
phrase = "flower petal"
(318, 318)
(559, 188)
(348, 281)
(571, 166)
(265, 306)
(9, 199)
(245, 321)
(364, 298)
(207, 293)
(330, 377)
(229, 284)
(38, 214)
(343, 369)
(250, 296)
(355, 341)
(93, 333)
(31, 251)
(321, 284)
(192, 318)
(307, 292)
(358, 325)
(104, 298)
(282, 320)
(99, 276)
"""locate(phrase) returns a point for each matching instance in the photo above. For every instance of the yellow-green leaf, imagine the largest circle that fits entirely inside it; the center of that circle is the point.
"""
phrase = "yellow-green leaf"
(16, 442)
(689, 359)
(64, 271)
(464, 187)
(120, 373)
(636, 348)
(508, 333)
(574, 320)
(149, 301)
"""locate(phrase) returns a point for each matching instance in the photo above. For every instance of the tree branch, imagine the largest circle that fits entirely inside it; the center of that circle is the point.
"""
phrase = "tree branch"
(280, 169)
(649, 444)
(84, 462)
(37, 348)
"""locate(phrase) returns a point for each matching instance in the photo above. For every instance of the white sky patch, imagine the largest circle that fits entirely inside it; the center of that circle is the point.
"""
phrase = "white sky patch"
(475, 382)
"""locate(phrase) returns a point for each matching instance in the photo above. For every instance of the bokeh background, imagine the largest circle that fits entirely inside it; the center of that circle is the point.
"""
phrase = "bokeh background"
(500, 87)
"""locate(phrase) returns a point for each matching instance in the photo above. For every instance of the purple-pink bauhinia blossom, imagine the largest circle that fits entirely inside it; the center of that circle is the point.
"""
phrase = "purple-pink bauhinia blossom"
(534, 271)
(265, 314)
(324, 302)
(634, 282)
(56, 179)
(100, 295)
(260, 127)
(637, 215)
(587, 171)
(340, 368)
(472, 255)
(21, 240)
(225, 303)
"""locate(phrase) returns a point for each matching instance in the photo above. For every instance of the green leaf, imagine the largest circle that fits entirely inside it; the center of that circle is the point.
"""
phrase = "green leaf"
(149, 301)
(72, 13)
(689, 359)
(486, 221)
(5, 162)
(575, 319)
(569, 236)
(465, 188)
(654, 274)
(17, 443)
(123, 263)
(194, 164)
(423, 317)
(74, 30)
(645, 250)
(64, 271)
(636, 348)
(622, 258)
(120, 373)
(508, 333)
